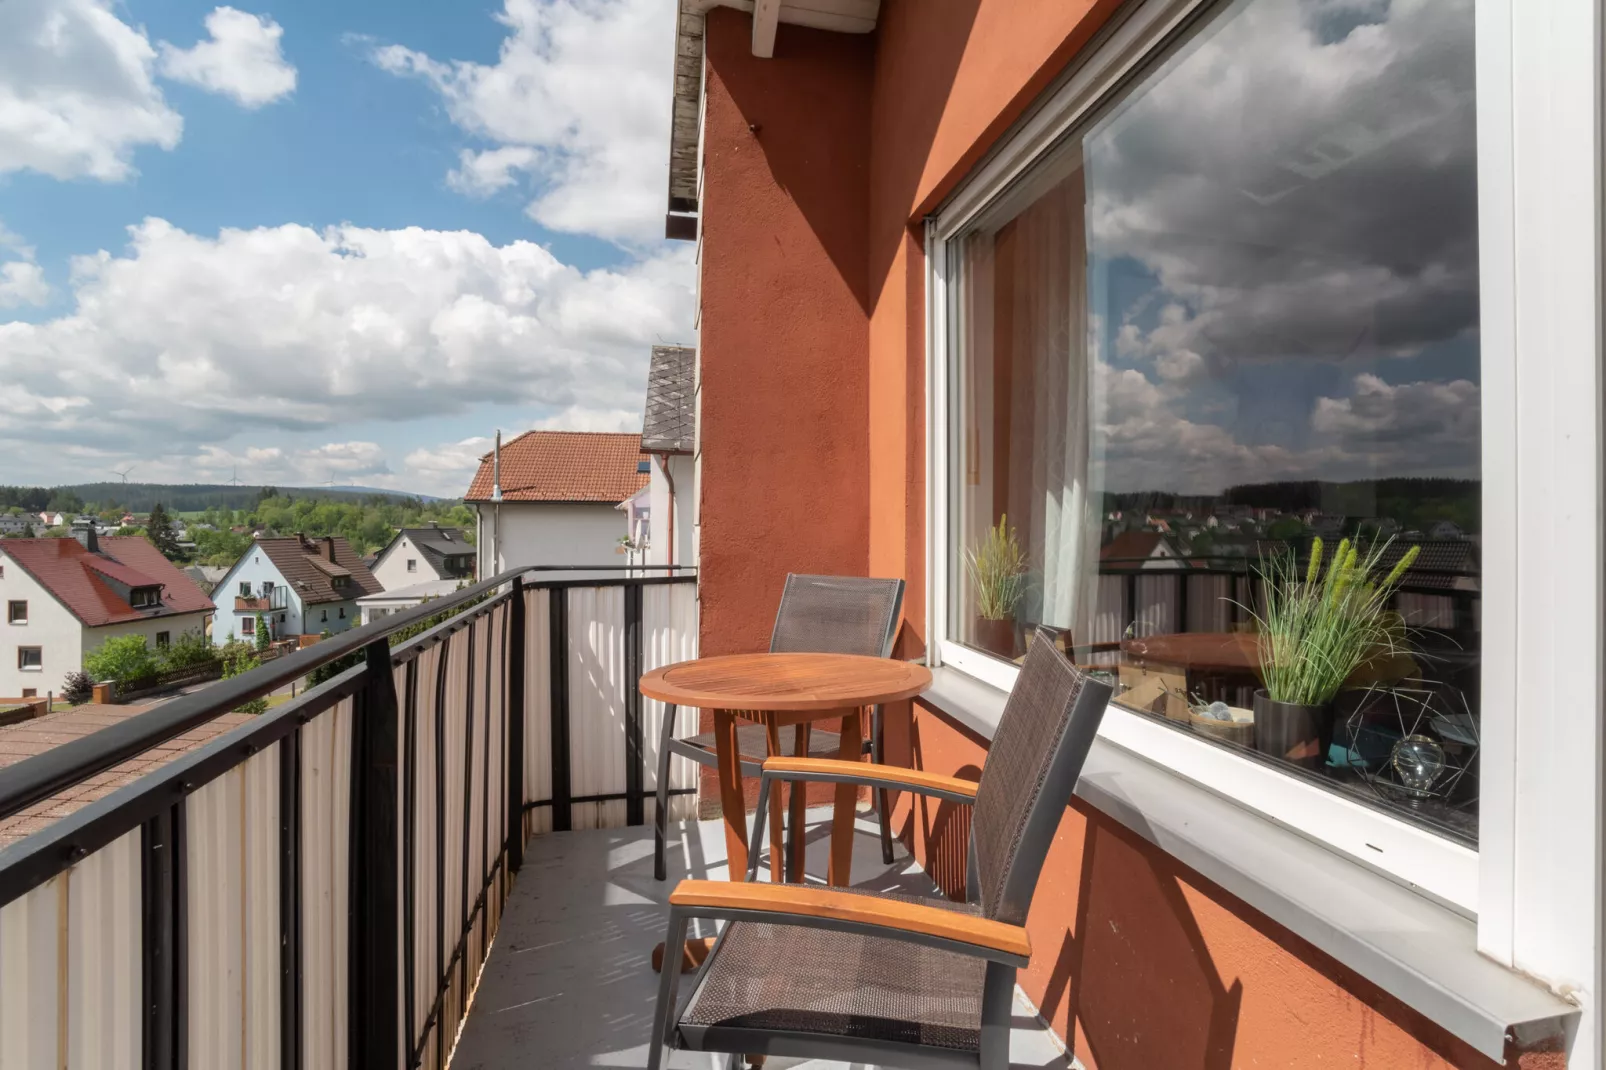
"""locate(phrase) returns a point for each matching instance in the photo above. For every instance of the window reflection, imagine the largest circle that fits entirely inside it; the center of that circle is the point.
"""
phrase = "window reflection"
(1231, 321)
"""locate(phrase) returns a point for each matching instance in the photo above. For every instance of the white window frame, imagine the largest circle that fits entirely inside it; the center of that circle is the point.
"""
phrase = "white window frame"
(23, 602)
(1447, 871)
(31, 668)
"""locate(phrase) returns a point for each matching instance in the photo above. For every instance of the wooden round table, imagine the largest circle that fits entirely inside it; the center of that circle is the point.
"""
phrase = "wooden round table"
(778, 690)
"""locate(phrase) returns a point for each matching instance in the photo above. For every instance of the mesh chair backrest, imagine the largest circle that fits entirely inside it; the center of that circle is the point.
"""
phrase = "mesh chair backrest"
(837, 615)
(1036, 755)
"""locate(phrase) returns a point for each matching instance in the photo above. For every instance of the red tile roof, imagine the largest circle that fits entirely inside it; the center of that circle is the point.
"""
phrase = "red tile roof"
(564, 466)
(78, 578)
(1132, 546)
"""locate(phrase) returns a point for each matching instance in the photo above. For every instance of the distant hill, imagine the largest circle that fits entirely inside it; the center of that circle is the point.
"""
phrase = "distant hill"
(192, 497)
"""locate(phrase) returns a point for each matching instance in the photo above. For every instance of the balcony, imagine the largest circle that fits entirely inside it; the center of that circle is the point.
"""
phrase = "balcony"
(201, 914)
(268, 602)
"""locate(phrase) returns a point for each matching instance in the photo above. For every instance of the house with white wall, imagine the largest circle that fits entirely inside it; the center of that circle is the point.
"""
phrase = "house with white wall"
(669, 438)
(550, 497)
(301, 585)
(424, 555)
(64, 597)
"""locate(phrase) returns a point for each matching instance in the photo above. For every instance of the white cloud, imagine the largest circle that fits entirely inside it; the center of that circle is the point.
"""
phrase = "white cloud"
(22, 283)
(481, 174)
(242, 58)
(577, 102)
(446, 469)
(76, 91)
(197, 339)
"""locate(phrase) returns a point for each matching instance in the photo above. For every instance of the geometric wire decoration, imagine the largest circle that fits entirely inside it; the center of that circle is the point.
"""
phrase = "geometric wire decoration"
(1416, 744)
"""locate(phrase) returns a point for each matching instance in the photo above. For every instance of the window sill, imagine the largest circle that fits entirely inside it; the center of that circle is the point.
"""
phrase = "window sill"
(1420, 952)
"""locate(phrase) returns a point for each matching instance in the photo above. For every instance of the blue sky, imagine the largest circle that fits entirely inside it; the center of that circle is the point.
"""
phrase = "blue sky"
(321, 284)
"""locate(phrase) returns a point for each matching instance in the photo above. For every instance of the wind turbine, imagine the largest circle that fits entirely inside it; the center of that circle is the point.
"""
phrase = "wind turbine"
(234, 480)
(124, 472)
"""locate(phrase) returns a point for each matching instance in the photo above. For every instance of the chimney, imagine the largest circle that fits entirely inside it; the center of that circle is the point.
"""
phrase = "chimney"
(496, 469)
(88, 538)
(329, 548)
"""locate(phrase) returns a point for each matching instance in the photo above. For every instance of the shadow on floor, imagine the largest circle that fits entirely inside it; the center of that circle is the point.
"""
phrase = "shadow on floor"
(570, 983)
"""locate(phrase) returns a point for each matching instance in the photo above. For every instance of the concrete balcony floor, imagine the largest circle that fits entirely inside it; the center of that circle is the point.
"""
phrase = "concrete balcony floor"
(569, 982)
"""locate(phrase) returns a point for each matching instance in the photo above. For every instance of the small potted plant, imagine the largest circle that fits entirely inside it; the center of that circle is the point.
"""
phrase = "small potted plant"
(1317, 630)
(998, 572)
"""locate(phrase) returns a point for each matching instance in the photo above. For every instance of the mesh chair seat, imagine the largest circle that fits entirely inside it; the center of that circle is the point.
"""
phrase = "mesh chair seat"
(753, 743)
(792, 979)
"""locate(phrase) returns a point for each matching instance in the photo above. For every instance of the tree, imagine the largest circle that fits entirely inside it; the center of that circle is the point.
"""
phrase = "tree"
(77, 688)
(159, 530)
(121, 658)
(240, 658)
(263, 638)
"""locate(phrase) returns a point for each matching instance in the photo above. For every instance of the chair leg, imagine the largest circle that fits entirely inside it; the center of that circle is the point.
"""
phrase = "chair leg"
(997, 1009)
(668, 983)
(660, 818)
(755, 842)
(883, 809)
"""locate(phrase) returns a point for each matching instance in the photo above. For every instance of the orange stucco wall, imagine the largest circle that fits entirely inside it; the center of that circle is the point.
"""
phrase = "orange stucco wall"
(820, 164)
(1149, 966)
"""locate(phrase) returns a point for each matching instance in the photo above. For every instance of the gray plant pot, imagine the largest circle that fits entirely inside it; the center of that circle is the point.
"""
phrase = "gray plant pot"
(1299, 735)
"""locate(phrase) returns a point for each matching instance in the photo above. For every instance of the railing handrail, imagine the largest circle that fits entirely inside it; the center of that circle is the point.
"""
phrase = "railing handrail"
(43, 775)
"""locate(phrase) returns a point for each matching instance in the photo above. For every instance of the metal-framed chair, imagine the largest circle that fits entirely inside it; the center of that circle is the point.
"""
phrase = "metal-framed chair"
(894, 980)
(817, 615)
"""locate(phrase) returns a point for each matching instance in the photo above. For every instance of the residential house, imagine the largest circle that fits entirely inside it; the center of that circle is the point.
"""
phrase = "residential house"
(65, 597)
(300, 585)
(963, 262)
(16, 525)
(427, 554)
(374, 606)
(549, 498)
(669, 437)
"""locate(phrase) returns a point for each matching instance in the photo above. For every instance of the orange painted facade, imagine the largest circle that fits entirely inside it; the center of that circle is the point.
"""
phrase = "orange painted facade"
(820, 165)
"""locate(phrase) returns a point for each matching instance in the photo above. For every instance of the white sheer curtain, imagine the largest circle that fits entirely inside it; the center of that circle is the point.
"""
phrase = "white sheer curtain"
(1027, 429)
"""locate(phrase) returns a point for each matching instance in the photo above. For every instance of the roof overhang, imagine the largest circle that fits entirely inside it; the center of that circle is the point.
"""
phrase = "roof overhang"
(840, 16)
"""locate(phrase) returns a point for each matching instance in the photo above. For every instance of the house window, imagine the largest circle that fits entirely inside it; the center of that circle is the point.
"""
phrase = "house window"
(342, 612)
(248, 626)
(162, 639)
(17, 612)
(1219, 323)
(245, 588)
(412, 564)
(30, 658)
(325, 614)
(30, 692)
(145, 597)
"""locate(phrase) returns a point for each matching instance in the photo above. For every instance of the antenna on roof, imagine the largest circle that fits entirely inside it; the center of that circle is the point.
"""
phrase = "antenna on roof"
(496, 468)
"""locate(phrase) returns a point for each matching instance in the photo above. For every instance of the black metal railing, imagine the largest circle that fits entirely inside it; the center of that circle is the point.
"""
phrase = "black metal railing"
(394, 798)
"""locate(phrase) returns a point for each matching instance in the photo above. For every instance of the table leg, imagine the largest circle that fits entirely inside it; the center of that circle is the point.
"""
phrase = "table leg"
(731, 802)
(797, 800)
(847, 797)
(772, 736)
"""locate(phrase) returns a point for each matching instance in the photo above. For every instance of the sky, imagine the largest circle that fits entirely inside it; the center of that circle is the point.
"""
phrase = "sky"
(306, 243)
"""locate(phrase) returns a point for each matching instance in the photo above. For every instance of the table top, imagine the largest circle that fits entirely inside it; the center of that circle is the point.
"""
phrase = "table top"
(777, 682)
(1219, 651)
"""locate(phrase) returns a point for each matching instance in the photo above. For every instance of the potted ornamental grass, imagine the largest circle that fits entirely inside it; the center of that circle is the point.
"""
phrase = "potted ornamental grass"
(997, 567)
(1317, 629)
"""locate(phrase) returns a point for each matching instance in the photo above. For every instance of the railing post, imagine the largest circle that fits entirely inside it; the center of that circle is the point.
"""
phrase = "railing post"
(515, 728)
(373, 918)
(558, 639)
(635, 754)
(165, 950)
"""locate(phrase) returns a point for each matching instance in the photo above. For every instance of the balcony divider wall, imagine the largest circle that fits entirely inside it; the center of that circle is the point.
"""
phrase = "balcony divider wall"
(229, 910)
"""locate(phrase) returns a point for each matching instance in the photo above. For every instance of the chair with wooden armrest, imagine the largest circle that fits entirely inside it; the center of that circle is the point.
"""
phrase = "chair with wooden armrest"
(817, 615)
(885, 978)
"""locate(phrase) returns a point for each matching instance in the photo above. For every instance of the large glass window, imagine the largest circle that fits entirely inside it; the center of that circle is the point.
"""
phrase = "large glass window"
(1216, 419)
